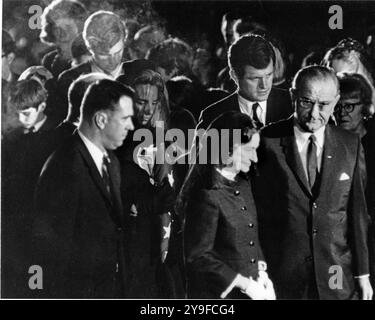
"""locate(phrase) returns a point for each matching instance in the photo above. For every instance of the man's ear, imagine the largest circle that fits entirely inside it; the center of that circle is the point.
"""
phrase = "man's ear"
(10, 57)
(233, 76)
(42, 107)
(101, 119)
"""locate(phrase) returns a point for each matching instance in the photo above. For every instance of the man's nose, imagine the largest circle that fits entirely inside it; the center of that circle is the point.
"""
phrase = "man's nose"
(254, 157)
(130, 125)
(262, 83)
(315, 111)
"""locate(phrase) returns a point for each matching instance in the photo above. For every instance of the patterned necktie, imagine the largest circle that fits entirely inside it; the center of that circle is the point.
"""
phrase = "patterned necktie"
(312, 161)
(105, 172)
(256, 119)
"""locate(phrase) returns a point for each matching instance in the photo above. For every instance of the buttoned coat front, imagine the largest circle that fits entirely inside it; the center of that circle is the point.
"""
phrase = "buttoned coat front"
(325, 232)
(221, 239)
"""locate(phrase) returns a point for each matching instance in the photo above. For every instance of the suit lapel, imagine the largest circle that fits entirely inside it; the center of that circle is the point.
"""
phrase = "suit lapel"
(94, 173)
(114, 174)
(294, 161)
(328, 169)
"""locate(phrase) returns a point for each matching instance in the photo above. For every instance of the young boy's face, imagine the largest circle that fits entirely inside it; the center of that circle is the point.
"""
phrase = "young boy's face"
(30, 116)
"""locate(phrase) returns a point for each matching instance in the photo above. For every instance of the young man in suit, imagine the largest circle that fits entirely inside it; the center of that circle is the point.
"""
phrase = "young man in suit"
(311, 197)
(104, 34)
(252, 61)
(78, 231)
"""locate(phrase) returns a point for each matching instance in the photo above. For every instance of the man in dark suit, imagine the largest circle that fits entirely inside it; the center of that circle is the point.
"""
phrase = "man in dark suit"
(310, 192)
(78, 231)
(104, 34)
(252, 62)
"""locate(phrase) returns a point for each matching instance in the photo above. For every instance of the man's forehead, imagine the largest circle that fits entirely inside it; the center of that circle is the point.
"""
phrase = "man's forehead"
(251, 71)
(324, 87)
(125, 105)
(114, 49)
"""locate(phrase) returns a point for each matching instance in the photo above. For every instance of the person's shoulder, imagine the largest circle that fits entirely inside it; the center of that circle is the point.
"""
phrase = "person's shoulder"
(278, 129)
(342, 134)
(48, 58)
(226, 104)
(75, 72)
(66, 155)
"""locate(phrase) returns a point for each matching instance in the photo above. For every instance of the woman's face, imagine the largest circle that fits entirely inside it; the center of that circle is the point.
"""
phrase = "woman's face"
(348, 113)
(244, 154)
(146, 101)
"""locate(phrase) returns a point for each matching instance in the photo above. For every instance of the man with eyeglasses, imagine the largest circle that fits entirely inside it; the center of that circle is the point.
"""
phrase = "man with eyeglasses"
(311, 196)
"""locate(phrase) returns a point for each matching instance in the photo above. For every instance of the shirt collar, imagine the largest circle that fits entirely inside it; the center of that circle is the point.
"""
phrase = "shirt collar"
(39, 124)
(302, 136)
(114, 74)
(96, 154)
(249, 104)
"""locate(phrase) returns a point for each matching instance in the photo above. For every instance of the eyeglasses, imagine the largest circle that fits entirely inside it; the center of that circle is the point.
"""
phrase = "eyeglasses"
(348, 107)
(308, 104)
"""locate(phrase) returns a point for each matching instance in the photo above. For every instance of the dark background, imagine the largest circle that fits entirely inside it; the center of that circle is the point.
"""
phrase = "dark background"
(301, 25)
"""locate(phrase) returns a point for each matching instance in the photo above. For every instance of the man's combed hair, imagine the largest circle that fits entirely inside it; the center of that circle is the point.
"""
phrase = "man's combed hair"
(27, 94)
(61, 9)
(103, 95)
(250, 50)
(102, 30)
(77, 91)
(312, 73)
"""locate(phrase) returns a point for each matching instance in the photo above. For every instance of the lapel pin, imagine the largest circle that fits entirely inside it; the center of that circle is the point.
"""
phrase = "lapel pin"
(329, 157)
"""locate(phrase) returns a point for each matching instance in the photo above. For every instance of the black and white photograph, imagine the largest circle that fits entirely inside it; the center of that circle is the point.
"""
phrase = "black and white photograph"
(167, 150)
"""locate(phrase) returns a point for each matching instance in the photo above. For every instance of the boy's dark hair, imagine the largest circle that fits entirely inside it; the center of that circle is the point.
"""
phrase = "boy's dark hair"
(27, 94)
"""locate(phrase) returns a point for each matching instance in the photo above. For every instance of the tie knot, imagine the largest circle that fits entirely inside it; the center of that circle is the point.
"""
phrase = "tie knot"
(255, 106)
(106, 160)
(312, 138)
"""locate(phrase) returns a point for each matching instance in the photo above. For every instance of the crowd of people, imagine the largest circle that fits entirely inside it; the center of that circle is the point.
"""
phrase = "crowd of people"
(272, 198)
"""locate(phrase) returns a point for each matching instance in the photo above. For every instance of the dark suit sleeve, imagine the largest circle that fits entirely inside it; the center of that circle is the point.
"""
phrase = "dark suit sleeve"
(358, 210)
(56, 202)
(201, 228)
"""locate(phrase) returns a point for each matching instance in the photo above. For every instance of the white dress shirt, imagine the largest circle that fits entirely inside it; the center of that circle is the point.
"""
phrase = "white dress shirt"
(96, 154)
(114, 74)
(302, 140)
(246, 107)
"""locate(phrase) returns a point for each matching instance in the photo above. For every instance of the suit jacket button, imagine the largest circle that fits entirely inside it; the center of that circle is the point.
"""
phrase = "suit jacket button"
(243, 208)
(251, 225)
(315, 231)
(315, 205)
(251, 243)
(252, 260)
(309, 258)
(237, 192)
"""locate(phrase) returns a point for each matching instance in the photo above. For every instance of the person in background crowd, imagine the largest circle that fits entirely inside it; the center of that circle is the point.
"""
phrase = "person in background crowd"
(146, 38)
(350, 56)
(80, 53)
(353, 113)
(62, 22)
(9, 119)
(24, 151)
(252, 62)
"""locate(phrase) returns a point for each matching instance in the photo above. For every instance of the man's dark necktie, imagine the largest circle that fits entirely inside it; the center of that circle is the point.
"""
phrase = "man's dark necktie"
(105, 172)
(256, 119)
(312, 161)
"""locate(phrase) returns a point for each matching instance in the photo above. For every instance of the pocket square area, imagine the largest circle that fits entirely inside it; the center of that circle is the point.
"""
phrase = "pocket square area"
(344, 176)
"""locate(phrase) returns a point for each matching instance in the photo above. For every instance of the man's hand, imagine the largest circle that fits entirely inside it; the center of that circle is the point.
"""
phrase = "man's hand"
(366, 289)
